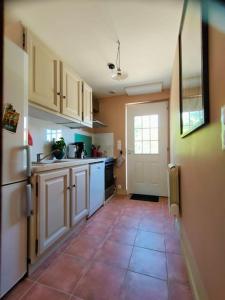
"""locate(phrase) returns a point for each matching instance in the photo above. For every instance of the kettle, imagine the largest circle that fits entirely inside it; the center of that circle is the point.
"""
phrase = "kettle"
(72, 148)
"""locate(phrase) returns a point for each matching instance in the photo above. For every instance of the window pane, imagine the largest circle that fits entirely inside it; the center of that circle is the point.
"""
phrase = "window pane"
(138, 134)
(154, 134)
(146, 147)
(154, 121)
(154, 147)
(146, 134)
(138, 148)
(137, 122)
(146, 121)
(48, 137)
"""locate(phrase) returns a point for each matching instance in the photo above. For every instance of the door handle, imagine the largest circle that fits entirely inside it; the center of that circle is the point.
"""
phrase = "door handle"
(28, 149)
(29, 200)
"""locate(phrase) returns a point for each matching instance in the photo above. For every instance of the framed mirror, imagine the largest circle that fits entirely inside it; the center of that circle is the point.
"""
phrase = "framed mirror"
(194, 83)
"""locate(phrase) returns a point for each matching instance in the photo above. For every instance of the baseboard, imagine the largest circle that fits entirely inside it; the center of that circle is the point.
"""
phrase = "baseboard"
(197, 286)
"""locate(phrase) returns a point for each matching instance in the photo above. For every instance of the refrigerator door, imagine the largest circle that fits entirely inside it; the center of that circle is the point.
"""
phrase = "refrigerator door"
(13, 235)
(14, 161)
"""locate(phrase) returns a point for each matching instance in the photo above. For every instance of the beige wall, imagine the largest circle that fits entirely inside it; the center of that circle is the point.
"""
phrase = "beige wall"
(203, 175)
(112, 113)
(13, 30)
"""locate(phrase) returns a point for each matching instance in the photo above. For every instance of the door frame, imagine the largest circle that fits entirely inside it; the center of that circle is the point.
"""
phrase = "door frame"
(168, 132)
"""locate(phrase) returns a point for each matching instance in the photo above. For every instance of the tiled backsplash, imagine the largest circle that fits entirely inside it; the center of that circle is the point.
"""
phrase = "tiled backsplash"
(43, 132)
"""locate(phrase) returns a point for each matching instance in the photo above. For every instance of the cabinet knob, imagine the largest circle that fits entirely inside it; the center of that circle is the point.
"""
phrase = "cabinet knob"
(64, 97)
(58, 94)
(68, 188)
(73, 185)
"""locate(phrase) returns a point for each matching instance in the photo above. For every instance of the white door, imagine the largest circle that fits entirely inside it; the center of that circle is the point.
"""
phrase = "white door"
(13, 236)
(147, 144)
(71, 104)
(53, 207)
(15, 92)
(80, 193)
(87, 104)
(43, 74)
(97, 186)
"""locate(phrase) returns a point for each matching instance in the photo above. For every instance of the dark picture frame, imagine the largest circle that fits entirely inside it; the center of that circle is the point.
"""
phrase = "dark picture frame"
(190, 119)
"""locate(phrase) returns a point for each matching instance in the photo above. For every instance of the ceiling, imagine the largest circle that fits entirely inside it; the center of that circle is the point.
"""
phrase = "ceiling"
(84, 33)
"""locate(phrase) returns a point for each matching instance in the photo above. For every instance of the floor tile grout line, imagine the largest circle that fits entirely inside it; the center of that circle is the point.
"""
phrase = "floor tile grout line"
(148, 275)
(53, 288)
(27, 291)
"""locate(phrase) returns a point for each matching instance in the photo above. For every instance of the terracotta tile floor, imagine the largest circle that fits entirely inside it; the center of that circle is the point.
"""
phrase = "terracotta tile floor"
(129, 250)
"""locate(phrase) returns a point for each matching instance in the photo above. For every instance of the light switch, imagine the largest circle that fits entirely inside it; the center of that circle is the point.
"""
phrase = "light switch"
(119, 145)
(223, 126)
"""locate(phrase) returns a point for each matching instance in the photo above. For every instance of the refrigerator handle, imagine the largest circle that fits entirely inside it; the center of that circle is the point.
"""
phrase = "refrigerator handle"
(29, 200)
(28, 148)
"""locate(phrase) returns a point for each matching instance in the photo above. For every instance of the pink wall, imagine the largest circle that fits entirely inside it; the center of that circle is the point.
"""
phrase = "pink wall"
(202, 164)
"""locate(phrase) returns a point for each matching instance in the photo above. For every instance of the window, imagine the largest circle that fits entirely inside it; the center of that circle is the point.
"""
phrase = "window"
(53, 134)
(146, 134)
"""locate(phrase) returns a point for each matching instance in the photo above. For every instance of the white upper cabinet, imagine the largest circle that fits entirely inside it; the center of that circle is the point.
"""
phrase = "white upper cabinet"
(54, 86)
(87, 105)
(43, 74)
(71, 92)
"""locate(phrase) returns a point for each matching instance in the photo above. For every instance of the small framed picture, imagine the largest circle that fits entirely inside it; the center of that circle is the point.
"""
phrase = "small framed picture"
(10, 118)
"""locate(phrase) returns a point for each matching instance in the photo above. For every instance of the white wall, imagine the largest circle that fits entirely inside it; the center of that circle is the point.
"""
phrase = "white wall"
(38, 127)
(106, 141)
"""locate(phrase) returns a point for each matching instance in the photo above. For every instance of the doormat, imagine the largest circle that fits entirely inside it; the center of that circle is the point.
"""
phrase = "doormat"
(144, 197)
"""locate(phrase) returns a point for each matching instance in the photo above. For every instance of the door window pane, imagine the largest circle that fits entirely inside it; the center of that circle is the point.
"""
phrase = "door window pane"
(154, 134)
(146, 147)
(138, 134)
(138, 148)
(146, 134)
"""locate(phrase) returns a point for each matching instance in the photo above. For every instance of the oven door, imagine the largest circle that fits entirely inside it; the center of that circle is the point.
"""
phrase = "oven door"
(109, 180)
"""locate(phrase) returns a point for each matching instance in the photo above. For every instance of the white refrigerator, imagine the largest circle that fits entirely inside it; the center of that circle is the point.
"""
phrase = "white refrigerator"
(15, 187)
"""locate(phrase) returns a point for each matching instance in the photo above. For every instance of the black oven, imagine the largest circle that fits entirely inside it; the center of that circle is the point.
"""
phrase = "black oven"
(109, 177)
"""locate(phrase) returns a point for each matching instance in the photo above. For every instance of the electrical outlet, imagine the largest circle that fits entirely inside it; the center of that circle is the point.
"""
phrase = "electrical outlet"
(119, 186)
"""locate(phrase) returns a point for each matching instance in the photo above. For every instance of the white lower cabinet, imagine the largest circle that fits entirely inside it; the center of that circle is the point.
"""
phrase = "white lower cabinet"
(79, 193)
(53, 200)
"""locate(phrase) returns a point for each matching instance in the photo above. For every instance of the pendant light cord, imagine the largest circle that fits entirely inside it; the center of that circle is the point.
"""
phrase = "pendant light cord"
(118, 56)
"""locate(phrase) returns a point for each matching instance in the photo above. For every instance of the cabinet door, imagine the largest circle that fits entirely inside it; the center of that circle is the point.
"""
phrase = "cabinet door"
(53, 207)
(43, 74)
(71, 93)
(80, 193)
(87, 105)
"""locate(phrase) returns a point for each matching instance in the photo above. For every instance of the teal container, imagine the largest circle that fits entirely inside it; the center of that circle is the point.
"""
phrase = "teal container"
(87, 140)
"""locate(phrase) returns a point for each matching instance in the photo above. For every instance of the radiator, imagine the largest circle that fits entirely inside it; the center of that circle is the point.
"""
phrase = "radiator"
(174, 193)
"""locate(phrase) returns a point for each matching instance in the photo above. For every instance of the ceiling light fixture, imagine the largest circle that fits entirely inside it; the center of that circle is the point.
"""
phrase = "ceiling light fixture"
(118, 73)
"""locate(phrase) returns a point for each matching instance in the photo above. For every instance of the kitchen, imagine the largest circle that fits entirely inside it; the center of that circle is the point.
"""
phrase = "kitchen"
(65, 139)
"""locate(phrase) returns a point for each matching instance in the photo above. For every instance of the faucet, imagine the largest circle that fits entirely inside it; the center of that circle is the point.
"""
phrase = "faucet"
(39, 159)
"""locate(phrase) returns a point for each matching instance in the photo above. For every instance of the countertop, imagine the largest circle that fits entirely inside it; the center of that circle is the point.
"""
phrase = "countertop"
(64, 163)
